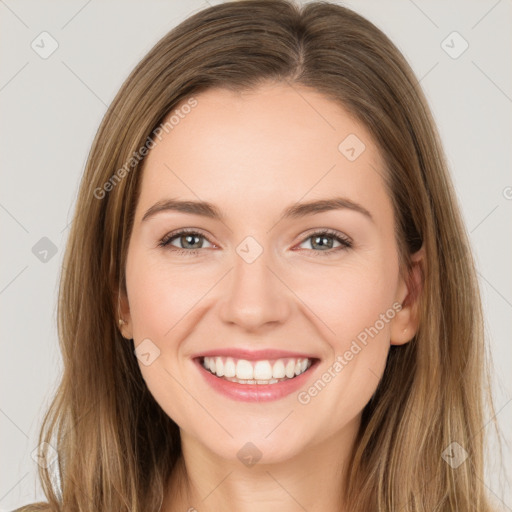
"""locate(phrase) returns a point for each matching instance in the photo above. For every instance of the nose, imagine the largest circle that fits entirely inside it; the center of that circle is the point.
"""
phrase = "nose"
(255, 296)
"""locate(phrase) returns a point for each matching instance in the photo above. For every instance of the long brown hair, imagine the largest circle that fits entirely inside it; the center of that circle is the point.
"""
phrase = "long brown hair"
(116, 447)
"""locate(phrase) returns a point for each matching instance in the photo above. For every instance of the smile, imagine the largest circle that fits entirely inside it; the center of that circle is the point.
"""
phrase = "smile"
(256, 372)
(259, 380)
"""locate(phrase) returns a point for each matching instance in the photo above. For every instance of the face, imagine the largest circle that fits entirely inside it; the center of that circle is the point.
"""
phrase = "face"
(261, 277)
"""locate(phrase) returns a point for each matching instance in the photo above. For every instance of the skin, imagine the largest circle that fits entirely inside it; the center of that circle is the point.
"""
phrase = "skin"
(252, 155)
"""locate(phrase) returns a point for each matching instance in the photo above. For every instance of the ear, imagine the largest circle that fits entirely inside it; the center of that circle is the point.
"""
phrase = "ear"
(405, 323)
(123, 319)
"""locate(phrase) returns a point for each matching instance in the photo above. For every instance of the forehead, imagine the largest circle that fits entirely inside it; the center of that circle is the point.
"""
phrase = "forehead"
(275, 144)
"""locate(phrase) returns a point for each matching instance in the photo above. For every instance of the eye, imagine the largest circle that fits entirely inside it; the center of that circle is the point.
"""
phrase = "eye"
(190, 241)
(325, 241)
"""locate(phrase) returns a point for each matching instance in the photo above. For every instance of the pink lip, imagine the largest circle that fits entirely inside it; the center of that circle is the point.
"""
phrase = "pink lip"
(255, 392)
(253, 355)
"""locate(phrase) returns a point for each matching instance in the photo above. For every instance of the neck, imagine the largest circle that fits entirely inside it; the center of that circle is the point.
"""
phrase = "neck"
(312, 480)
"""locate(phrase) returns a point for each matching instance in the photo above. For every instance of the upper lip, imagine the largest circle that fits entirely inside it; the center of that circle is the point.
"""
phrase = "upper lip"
(253, 355)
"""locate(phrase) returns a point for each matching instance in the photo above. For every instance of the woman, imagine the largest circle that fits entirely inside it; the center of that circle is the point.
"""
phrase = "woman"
(268, 301)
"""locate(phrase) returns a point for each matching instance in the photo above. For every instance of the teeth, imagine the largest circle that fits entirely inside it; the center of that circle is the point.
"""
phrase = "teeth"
(229, 367)
(278, 370)
(290, 369)
(219, 367)
(243, 369)
(256, 372)
(262, 370)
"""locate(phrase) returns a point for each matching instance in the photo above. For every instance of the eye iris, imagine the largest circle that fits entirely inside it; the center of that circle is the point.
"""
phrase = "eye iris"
(187, 238)
(322, 244)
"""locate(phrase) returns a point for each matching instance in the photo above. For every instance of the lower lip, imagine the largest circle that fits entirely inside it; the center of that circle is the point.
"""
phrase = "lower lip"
(255, 392)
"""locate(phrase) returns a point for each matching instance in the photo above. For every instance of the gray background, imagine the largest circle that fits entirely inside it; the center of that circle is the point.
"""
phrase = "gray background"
(51, 108)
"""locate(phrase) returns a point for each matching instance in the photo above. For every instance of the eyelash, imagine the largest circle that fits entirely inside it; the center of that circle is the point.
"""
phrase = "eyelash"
(344, 241)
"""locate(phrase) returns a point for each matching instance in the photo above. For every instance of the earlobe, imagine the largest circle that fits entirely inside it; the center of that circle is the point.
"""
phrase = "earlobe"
(404, 325)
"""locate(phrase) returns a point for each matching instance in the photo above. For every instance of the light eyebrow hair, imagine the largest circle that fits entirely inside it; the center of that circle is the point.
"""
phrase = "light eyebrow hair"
(294, 211)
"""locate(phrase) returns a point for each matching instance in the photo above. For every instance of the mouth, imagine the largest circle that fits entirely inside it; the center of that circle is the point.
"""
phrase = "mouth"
(256, 379)
(261, 372)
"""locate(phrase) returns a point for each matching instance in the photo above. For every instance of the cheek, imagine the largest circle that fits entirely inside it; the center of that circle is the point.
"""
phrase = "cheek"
(160, 298)
(160, 295)
(348, 300)
(356, 303)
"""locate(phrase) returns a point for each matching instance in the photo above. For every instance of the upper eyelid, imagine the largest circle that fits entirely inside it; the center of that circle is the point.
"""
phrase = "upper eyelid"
(186, 231)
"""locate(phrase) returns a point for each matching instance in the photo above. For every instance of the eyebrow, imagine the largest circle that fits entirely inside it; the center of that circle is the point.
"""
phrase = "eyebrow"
(294, 211)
